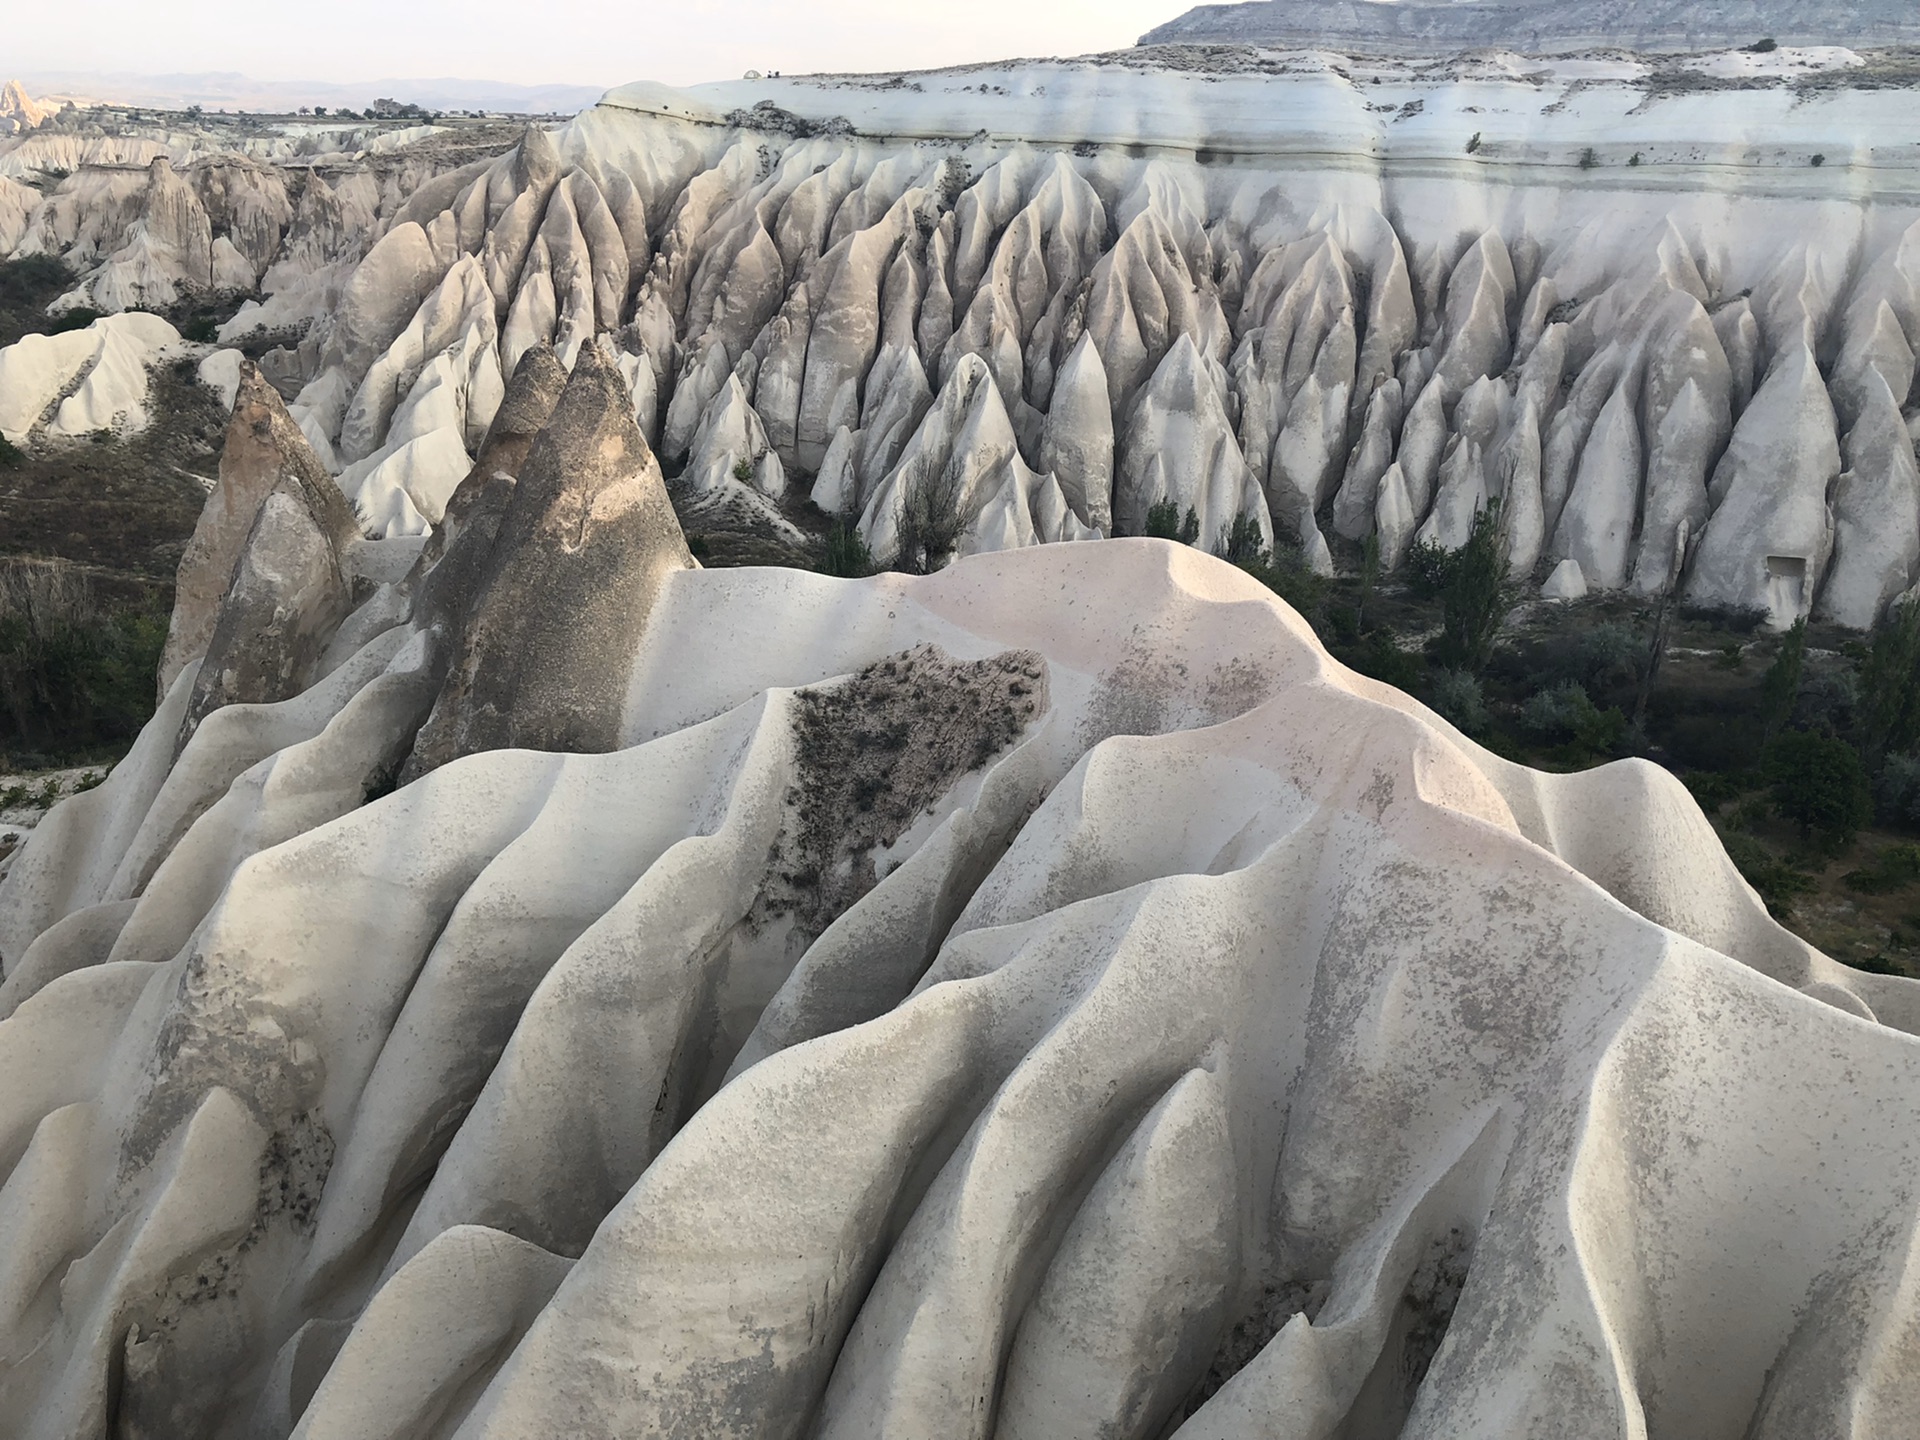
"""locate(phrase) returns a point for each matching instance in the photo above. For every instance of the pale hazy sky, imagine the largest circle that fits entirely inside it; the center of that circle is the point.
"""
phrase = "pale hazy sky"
(591, 42)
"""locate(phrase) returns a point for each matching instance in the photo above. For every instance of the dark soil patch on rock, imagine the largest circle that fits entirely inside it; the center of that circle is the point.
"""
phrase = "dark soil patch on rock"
(878, 750)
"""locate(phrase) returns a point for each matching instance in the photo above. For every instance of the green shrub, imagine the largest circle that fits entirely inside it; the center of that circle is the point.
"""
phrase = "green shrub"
(1428, 568)
(1457, 696)
(200, 329)
(1827, 702)
(1817, 161)
(1608, 657)
(1780, 686)
(846, 553)
(1894, 868)
(78, 318)
(1565, 714)
(1473, 142)
(1589, 158)
(1380, 659)
(11, 456)
(1712, 788)
(1164, 522)
(1820, 785)
(1896, 791)
(1281, 567)
(1763, 47)
(33, 279)
(743, 471)
(1476, 595)
(1243, 541)
(1889, 712)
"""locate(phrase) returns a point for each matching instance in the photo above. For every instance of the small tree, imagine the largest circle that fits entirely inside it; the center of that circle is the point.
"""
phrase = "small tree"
(1164, 522)
(1243, 542)
(1820, 785)
(1780, 686)
(1890, 684)
(930, 525)
(1369, 577)
(846, 553)
(1476, 595)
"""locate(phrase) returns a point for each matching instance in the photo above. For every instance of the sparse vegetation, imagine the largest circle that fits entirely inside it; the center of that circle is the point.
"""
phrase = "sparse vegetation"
(1475, 595)
(1780, 686)
(1164, 522)
(1589, 158)
(27, 286)
(846, 553)
(929, 526)
(1458, 697)
(75, 676)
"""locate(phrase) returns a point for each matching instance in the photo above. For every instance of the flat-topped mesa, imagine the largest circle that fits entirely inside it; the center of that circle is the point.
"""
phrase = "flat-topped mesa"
(1539, 27)
(563, 599)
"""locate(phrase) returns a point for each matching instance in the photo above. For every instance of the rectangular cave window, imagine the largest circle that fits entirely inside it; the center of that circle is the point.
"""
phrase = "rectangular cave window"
(1786, 587)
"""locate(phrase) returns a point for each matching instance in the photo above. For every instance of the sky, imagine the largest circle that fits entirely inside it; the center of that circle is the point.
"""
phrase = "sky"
(588, 42)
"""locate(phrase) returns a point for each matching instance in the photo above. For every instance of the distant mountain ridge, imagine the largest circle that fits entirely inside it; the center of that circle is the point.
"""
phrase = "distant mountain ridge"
(225, 90)
(1538, 27)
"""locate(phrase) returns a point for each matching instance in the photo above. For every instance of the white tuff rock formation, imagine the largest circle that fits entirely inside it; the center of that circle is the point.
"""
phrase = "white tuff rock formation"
(578, 992)
(1016, 304)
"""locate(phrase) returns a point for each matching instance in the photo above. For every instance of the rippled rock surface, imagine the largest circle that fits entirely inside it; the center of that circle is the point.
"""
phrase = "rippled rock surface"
(1049, 997)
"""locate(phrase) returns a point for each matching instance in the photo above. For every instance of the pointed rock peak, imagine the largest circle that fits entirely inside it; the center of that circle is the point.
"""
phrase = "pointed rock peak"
(536, 162)
(264, 441)
(591, 441)
(533, 392)
(1182, 381)
(586, 543)
(964, 380)
(264, 447)
(288, 595)
(528, 405)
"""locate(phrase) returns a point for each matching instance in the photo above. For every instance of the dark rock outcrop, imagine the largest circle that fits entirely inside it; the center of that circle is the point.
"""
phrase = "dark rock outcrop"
(264, 448)
(446, 574)
(585, 540)
(289, 593)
